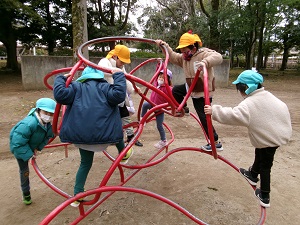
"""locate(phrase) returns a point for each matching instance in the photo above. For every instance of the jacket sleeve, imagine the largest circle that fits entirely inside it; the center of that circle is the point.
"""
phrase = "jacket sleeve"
(175, 58)
(62, 94)
(47, 138)
(211, 58)
(117, 91)
(20, 139)
(237, 116)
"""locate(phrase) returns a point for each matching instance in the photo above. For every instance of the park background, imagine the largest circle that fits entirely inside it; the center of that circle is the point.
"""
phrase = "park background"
(250, 34)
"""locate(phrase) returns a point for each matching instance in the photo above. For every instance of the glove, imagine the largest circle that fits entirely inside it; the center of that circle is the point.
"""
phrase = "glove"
(198, 64)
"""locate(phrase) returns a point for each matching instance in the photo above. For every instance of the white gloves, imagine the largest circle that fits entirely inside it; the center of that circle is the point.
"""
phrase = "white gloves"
(198, 64)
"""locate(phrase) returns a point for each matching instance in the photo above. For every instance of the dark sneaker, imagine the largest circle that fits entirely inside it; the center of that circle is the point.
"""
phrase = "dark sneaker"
(27, 199)
(127, 156)
(138, 143)
(248, 176)
(265, 202)
(207, 147)
(186, 110)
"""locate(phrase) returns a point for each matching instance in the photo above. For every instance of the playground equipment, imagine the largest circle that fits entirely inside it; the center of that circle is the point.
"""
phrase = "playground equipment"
(103, 192)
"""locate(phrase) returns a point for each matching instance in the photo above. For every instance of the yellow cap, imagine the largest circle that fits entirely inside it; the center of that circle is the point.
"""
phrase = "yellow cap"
(197, 39)
(186, 39)
(122, 52)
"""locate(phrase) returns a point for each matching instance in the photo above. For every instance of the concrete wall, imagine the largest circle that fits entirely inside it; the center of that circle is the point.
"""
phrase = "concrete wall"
(34, 68)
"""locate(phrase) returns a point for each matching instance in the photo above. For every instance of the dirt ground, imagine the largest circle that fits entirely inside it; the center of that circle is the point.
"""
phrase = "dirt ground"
(208, 188)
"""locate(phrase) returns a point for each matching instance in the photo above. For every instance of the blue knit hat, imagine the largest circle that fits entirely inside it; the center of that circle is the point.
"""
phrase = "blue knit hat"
(251, 78)
(90, 73)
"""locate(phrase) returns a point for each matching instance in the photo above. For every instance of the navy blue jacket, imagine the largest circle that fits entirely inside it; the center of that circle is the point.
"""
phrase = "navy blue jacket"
(92, 115)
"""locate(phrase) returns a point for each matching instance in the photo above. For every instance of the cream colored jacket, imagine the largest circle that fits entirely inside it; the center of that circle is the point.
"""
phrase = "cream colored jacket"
(266, 117)
(209, 57)
(111, 64)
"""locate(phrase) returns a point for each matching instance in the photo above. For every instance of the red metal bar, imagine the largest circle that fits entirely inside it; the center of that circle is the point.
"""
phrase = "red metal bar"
(171, 105)
(208, 117)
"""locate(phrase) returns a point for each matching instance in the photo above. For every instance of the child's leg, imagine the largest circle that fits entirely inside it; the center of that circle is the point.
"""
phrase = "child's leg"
(179, 91)
(129, 130)
(146, 106)
(160, 127)
(120, 146)
(266, 163)
(199, 107)
(83, 170)
(24, 176)
(255, 168)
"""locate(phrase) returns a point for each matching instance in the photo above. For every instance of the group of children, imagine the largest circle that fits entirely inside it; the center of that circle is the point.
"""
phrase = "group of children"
(98, 104)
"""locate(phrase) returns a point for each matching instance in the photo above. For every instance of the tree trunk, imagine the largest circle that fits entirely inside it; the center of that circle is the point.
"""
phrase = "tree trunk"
(265, 61)
(50, 39)
(79, 21)
(11, 46)
(262, 16)
(284, 59)
(213, 24)
(248, 59)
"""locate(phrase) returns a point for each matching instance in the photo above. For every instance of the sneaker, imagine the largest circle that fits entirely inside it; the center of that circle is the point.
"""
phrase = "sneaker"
(76, 203)
(207, 147)
(248, 176)
(186, 110)
(265, 202)
(127, 156)
(160, 144)
(138, 143)
(27, 199)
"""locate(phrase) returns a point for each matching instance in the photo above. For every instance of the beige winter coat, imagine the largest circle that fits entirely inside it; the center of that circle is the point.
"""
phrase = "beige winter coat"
(266, 117)
(209, 57)
(111, 64)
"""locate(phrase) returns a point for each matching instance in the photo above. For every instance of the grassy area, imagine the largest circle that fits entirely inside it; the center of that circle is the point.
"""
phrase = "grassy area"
(267, 73)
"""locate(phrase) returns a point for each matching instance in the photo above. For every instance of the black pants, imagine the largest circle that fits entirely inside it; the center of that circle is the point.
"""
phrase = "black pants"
(262, 165)
(179, 91)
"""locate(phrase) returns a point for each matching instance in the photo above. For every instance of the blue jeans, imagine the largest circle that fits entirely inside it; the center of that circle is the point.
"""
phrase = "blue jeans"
(159, 120)
(86, 163)
(24, 176)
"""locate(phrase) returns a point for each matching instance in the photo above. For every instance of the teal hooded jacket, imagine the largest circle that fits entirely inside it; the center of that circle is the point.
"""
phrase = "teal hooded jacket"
(28, 135)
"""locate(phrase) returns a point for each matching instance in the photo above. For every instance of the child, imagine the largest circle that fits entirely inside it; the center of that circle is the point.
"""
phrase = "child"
(158, 99)
(30, 135)
(117, 58)
(269, 126)
(92, 121)
(191, 56)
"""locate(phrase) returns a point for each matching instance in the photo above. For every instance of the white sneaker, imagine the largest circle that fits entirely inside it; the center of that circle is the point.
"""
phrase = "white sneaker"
(160, 144)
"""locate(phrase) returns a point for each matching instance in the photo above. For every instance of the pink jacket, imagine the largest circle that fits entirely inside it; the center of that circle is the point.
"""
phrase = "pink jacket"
(157, 98)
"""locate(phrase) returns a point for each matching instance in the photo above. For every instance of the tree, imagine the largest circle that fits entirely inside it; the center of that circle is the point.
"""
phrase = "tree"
(170, 19)
(55, 25)
(79, 20)
(212, 13)
(11, 11)
(289, 34)
(32, 23)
